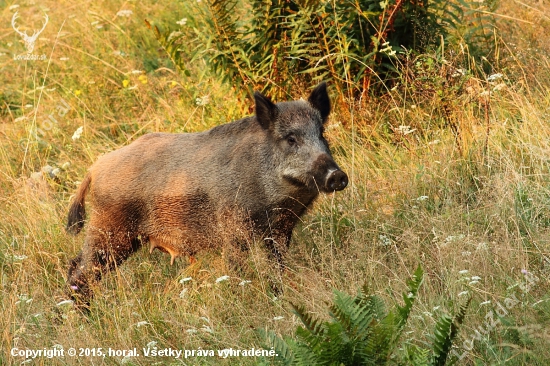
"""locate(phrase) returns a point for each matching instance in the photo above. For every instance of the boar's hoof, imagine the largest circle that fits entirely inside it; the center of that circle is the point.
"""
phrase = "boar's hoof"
(336, 181)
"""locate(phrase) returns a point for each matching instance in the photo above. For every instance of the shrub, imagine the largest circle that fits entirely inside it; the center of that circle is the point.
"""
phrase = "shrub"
(274, 45)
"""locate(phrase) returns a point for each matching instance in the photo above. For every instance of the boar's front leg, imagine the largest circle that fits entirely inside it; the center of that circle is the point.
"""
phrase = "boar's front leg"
(278, 246)
(101, 253)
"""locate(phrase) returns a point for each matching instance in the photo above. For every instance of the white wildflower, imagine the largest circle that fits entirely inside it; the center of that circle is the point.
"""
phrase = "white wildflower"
(27, 106)
(152, 344)
(494, 77)
(482, 245)
(124, 13)
(191, 331)
(244, 282)
(278, 318)
(405, 130)
(202, 101)
(499, 87)
(182, 21)
(463, 293)
(485, 302)
(410, 295)
(435, 308)
(222, 278)
(464, 271)
(476, 278)
(471, 283)
(141, 323)
(64, 58)
(422, 198)
(452, 238)
(207, 329)
(125, 360)
(384, 240)
(182, 293)
(78, 133)
(17, 258)
(333, 126)
(466, 253)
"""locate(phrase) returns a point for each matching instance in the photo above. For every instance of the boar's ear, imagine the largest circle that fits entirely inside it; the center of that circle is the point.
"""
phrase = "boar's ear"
(319, 100)
(266, 110)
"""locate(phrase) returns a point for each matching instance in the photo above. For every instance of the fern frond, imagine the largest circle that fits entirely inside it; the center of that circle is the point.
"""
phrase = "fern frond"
(446, 329)
(281, 347)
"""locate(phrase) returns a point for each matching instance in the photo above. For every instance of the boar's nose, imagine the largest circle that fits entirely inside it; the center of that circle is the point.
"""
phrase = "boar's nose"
(336, 181)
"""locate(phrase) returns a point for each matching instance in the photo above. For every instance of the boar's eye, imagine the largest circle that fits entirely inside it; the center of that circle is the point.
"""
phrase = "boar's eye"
(291, 139)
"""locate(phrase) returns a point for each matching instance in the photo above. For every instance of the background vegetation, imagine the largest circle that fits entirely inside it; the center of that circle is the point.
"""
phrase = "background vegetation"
(448, 168)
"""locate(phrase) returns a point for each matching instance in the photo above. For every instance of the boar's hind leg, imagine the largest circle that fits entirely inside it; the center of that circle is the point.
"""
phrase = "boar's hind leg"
(99, 255)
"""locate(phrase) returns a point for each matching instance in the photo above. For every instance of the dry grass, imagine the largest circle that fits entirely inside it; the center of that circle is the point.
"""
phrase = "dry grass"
(469, 192)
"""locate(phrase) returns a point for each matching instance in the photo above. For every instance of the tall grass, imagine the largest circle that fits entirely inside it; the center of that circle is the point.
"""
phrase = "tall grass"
(451, 172)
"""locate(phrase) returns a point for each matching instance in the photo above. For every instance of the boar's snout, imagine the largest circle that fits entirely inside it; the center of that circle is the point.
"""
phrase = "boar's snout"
(336, 181)
(329, 176)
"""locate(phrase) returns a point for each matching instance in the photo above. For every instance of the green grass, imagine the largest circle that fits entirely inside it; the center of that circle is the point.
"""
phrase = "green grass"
(455, 194)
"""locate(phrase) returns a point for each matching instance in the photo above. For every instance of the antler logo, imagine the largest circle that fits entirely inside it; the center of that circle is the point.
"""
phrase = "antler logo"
(29, 40)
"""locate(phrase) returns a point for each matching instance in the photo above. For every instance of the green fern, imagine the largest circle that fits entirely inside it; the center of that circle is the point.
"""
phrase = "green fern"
(170, 42)
(446, 330)
(361, 332)
(271, 45)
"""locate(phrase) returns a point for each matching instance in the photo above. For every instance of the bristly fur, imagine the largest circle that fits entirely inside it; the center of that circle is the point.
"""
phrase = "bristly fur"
(247, 180)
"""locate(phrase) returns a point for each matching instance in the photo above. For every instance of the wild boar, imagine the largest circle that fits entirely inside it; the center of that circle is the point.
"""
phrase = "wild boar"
(178, 192)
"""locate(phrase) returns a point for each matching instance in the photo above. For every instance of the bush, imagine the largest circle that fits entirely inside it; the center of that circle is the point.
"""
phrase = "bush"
(274, 45)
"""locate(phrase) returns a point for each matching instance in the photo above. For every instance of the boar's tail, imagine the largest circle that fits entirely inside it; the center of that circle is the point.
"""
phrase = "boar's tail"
(77, 212)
